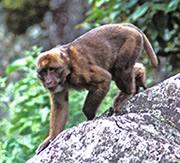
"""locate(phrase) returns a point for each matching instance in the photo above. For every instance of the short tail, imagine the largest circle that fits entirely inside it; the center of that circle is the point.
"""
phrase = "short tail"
(150, 52)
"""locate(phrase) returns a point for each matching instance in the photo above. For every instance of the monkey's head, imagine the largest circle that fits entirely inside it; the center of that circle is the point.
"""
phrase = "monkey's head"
(52, 69)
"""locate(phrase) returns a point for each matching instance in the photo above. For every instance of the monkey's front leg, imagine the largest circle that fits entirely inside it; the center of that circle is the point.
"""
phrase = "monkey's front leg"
(58, 117)
(99, 87)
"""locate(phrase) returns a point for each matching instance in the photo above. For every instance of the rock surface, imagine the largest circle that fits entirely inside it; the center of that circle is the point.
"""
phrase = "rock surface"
(147, 130)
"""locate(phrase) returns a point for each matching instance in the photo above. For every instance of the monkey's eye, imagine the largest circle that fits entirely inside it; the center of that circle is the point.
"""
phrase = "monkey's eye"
(51, 69)
(41, 73)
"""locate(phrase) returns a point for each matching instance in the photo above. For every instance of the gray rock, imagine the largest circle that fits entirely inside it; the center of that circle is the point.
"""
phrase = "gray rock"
(147, 130)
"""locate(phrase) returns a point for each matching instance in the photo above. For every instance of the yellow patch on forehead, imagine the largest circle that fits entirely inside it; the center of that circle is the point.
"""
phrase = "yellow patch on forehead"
(49, 58)
(54, 57)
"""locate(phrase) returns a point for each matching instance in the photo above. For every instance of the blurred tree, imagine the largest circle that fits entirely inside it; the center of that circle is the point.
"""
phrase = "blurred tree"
(61, 16)
(66, 14)
(24, 23)
(21, 14)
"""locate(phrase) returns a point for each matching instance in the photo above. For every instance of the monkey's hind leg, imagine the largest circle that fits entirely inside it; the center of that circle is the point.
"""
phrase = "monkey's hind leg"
(123, 69)
(126, 83)
(119, 101)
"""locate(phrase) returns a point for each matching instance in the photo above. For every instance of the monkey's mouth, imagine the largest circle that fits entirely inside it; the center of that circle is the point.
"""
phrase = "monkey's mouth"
(56, 87)
(52, 86)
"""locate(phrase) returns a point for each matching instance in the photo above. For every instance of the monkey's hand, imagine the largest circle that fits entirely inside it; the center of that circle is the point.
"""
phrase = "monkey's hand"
(43, 145)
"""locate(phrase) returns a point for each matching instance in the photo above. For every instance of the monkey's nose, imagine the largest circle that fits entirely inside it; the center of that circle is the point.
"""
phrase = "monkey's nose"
(50, 84)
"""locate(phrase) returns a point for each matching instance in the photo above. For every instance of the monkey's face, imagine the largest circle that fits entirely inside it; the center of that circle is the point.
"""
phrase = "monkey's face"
(52, 78)
(52, 70)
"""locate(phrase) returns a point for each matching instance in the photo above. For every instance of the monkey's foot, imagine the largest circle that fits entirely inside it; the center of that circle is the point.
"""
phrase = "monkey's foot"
(119, 102)
(43, 145)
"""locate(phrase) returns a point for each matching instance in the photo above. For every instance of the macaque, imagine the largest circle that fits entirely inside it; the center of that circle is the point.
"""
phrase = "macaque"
(90, 62)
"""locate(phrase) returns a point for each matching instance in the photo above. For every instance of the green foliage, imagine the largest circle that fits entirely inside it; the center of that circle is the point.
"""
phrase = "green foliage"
(13, 3)
(27, 105)
(20, 4)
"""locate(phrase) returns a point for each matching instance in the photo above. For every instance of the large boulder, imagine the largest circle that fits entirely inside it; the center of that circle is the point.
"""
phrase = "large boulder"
(146, 130)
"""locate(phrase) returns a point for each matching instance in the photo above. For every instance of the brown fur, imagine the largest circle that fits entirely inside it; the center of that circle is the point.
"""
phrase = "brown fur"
(140, 76)
(90, 62)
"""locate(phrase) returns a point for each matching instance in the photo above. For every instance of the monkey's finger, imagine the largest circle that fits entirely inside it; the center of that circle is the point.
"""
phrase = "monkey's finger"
(42, 146)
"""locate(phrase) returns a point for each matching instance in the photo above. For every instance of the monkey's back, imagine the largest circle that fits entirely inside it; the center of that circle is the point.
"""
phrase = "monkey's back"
(101, 45)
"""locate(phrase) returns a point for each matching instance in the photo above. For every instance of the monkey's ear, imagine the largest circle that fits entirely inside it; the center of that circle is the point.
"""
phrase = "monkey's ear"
(42, 60)
(72, 51)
